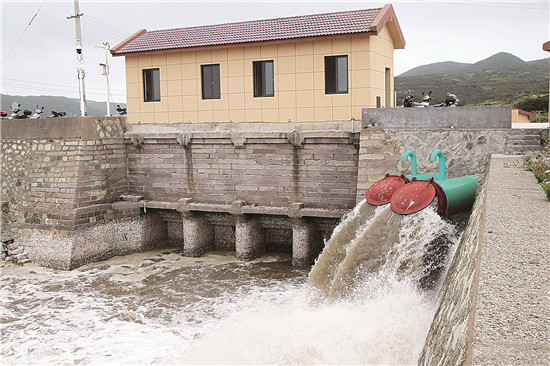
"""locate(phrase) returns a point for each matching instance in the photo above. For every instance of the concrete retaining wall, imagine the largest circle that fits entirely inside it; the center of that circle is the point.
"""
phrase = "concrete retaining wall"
(490, 117)
(493, 305)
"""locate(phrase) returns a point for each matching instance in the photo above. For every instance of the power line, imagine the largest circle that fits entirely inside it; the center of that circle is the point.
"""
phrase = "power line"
(101, 29)
(108, 26)
(104, 28)
(10, 80)
(24, 30)
(529, 5)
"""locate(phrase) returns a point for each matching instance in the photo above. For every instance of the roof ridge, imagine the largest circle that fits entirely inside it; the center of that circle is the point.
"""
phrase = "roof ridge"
(263, 20)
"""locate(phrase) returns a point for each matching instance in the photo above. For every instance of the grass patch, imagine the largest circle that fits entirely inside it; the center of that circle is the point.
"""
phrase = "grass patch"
(539, 164)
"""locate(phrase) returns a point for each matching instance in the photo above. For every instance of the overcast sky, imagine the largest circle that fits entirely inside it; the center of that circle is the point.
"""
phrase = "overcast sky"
(39, 59)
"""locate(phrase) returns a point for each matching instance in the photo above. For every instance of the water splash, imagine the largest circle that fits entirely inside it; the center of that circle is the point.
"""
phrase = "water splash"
(364, 303)
(336, 248)
(386, 242)
(361, 305)
(385, 324)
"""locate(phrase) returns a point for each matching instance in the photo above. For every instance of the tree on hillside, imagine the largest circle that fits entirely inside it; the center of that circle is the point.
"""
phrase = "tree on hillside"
(533, 104)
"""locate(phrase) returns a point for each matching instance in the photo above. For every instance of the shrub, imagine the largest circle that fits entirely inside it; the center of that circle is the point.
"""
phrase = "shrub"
(539, 164)
(533, 104)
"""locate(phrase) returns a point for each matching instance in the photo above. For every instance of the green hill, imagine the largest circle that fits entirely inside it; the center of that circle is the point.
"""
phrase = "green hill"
(495, 80)
(451, 67)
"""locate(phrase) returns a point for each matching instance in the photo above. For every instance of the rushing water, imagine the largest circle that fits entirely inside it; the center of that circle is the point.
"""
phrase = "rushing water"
(356, 306)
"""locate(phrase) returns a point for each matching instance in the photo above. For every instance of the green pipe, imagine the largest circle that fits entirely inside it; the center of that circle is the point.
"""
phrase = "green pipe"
(405, 157)
(459, 193)
(439, 154)
(414, 171)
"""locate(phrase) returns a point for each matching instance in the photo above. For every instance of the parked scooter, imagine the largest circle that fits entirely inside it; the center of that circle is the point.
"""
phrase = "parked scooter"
(3, 115)
(408, 102)
(16, 111)
(37, 113)
(57, 114)
(451, 100)
(121, 111)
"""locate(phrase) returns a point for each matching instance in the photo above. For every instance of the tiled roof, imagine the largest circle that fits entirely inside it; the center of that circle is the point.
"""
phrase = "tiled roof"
(348, 22)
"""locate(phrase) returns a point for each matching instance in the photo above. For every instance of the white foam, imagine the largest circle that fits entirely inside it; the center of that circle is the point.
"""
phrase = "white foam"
(167, 309)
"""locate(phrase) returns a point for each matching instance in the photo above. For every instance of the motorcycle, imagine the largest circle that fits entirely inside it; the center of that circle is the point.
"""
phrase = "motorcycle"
(37, 113)
(57, 114)
(408, 102)
(451, 100)
(16, 112)
(121, 111)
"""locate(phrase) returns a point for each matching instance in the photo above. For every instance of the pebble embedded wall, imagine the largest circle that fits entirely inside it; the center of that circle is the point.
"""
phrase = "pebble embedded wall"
(467, 151)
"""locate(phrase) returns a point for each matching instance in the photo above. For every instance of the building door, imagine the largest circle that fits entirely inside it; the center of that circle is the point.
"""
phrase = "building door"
(388, 103)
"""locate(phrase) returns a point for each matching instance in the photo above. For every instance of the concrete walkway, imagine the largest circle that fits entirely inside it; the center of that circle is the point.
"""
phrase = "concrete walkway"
(512, 318)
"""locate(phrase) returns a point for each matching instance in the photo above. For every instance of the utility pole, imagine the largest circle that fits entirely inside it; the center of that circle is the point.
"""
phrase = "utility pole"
(105, 71)
(79, 57)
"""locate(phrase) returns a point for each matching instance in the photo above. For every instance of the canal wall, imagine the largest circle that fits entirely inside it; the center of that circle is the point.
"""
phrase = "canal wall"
(494, 306)
(449, 340)
(76, 190)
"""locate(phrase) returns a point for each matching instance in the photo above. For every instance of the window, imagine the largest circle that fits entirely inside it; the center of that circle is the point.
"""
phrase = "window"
(263, 78)
(336, 74)
(210, 81)
(151, 85)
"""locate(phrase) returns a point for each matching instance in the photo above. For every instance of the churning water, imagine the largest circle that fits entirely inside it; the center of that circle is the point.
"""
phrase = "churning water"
(369, 299)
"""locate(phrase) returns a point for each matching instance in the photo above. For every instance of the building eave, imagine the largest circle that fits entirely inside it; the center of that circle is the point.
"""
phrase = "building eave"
(122, 44)
(242, 44)
(387, 17)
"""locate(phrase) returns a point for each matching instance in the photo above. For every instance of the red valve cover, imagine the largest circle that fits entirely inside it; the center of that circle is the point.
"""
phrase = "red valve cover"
(413, 197)
(381, 192)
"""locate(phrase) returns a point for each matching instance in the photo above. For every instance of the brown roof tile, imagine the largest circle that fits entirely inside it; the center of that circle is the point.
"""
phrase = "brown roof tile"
(348, 22)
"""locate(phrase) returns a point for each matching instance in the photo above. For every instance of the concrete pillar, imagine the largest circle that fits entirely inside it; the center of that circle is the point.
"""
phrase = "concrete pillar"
(249, 238)
(306, 241)
(153, 231)
(198, 235)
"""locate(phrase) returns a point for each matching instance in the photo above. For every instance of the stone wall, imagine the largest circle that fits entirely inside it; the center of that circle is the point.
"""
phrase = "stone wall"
(76, 190)
(450, 337)
(60, 179)
(276, 169)
(59, 176)
(467, 151)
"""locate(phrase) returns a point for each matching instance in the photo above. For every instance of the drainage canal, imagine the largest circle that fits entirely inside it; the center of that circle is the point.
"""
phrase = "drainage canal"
(369, 299)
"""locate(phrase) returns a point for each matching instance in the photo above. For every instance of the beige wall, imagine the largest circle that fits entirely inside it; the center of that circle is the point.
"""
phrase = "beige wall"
(519, 118)
(299, 82)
